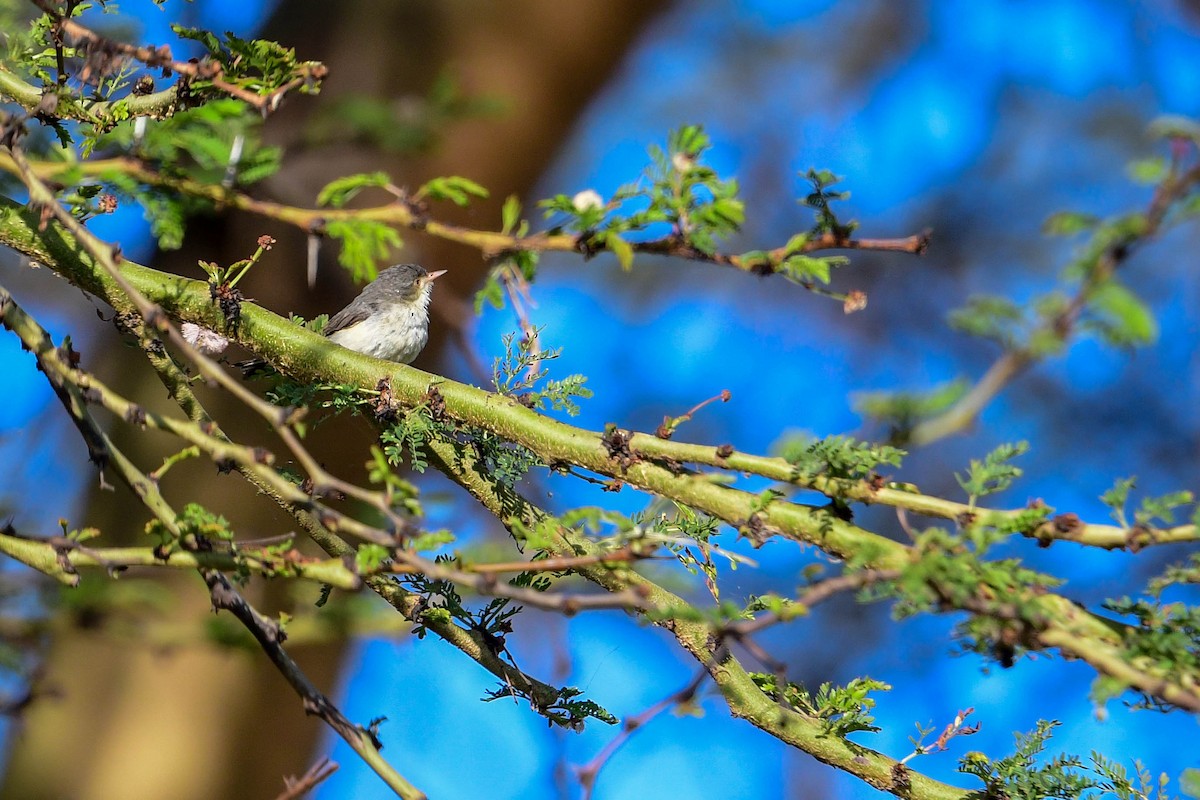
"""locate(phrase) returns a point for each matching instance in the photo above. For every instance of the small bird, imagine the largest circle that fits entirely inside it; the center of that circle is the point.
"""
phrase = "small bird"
(388, 320)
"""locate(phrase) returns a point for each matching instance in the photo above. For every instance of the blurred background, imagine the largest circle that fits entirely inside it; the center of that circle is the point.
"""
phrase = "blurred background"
(974, 119)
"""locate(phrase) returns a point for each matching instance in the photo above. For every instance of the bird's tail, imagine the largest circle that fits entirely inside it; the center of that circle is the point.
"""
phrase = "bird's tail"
(254, 367)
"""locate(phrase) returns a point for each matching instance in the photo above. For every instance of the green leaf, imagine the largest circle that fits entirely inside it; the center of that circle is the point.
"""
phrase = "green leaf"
(1148, 171)
(1116, 498)
(364, 244)
(994, 473)
(510, 214)
(453, 188)
(836, 456)
(1123, 319)
(1162, 508)
(339, 192)
(491, 292)
(989, 317)
(904, 409)
(1069, 223)
(370, 557)
(1189, 782)
(622, 250)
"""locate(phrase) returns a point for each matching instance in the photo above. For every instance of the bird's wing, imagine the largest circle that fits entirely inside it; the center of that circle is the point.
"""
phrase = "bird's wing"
(346, 318)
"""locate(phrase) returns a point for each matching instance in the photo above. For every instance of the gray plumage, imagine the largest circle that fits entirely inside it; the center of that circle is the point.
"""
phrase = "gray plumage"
(393, 285)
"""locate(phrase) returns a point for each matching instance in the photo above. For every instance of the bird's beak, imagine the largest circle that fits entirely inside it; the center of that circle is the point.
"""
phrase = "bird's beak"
(433, 276)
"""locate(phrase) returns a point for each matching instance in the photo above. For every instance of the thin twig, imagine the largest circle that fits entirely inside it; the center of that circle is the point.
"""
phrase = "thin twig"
(295, 788)
(202, 69)
(1061, 326)
(270, 638)
(588, 773)
(492, 244)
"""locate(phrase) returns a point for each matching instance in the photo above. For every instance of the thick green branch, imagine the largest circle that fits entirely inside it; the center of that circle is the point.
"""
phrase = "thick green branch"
(746, 700)
(103, 113)
(60, 559)
(309, 356)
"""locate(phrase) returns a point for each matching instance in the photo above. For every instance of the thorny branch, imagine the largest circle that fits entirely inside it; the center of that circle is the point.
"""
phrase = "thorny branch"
(1013, 362)
(646, 462)
(405, 214)
(75, 399)
(307, 360)
(271, 637)
(295, 788)
(195, 69)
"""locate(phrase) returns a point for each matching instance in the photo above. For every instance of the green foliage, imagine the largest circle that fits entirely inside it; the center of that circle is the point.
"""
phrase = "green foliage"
(193, 521)
(565, 711)
(400, 493)
(994, 473)
(365, 243)
(836, 456)
(1162, 508)
(991, 317)
(1069, 223)
(370, 558)
(517, 267)
(820, 199)
(455, 189)
(903, 410)
(842, 710)
(506, 461)
(688, 535)
(951, 571)
(412, 126)
(521, 369)
(677, 190)
(1148, 171)
(1119, 317)
(257, 65)
(1174, 574)
(493, 623)
(27, 44)
(1116, 498)
(331, 398)
(194, 145)
(1189, 782)
(1151, 511)
(228, 277)
(1020, 776)
(1165, 636)
(340, 191)
(405, 439)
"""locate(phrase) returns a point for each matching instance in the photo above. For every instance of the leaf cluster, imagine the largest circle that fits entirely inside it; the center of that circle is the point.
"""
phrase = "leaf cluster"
(521, 373)
(994, 473)
(903, 410)
(842, 710)
(1022, 775)
(1167, 635)
(413, 126)
(1151, 511)
(260, 66)
(837, 456)
(677, 191)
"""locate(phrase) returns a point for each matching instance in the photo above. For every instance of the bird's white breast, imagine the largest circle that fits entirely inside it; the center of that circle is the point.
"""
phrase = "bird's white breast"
(395, 333)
